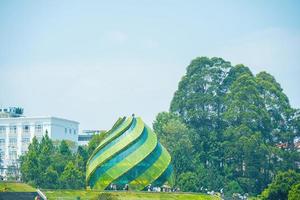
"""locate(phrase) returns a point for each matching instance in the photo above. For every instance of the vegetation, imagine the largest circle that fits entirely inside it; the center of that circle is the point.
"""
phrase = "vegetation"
(96, 195)
(294, 193)
(286, 185)
(49, 166)
(54, 164)
(95, 141)
(227, 129)
(15, 187)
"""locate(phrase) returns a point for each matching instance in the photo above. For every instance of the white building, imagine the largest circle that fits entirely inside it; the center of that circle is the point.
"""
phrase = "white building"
(17, 131)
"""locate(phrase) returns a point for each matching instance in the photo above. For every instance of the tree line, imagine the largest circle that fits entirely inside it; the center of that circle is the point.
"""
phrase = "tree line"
(228, 129)
(48, 166)
(56, 164)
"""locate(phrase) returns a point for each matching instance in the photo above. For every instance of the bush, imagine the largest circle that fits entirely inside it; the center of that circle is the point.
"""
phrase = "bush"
(232, 187)
(279, 188)
(188, 182)
(106, 196)
(294, 193)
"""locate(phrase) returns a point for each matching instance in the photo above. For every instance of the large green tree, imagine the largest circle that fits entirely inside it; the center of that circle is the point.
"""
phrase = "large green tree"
(247, 130)
(199, 101)
(278, 107)
(235, 122)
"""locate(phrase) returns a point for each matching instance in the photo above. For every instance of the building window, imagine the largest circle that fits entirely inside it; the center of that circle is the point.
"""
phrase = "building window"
(13, 129)
(2, 131)
(70, 131)
(84, 137)
(12, 141)
(2, 153)
(13, 154)
(38, 128)
(2, 142)
(74, 132)
(26, 129)
(26, 140)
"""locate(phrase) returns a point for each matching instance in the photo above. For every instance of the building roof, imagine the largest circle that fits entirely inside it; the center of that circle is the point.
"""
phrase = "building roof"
(36, 118)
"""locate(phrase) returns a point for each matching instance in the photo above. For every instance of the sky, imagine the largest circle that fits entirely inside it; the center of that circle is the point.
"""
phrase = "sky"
(94, 61)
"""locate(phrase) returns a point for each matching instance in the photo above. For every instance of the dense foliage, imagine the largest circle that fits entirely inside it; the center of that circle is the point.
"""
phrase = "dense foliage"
(286, 185)
(227, 129)
(48, 166)
(294, 192)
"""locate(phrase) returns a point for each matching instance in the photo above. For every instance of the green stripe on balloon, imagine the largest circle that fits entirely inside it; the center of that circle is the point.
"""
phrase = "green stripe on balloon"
(135, 133)
(123, 152)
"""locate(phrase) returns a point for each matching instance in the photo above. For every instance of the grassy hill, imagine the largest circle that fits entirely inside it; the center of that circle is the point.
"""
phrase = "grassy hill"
(120, 195)
(15, 187)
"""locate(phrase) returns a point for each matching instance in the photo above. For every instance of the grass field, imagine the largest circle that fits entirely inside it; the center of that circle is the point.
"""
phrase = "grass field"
(15, 187)
(91, 195)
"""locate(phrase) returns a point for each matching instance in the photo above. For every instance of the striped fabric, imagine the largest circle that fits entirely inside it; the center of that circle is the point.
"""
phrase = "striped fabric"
(129, 155)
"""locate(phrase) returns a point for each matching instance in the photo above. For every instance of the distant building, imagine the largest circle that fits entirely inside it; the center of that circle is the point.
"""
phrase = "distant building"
(17, 131)
(86, 135)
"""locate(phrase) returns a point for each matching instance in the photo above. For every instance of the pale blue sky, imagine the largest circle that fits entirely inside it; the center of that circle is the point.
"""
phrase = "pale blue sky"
(93, 61)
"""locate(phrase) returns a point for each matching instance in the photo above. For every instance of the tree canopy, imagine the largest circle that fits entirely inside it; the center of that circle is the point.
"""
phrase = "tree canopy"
(48, 166)
(227, 123)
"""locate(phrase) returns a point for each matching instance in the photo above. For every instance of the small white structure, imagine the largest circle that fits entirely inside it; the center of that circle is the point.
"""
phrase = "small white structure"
(17, 131)
(86, 135)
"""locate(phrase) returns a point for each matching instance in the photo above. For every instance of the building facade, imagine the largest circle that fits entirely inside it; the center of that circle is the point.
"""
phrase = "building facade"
(17, 131)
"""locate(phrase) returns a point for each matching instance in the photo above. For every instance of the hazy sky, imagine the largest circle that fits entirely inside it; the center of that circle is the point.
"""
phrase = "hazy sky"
(93, 61)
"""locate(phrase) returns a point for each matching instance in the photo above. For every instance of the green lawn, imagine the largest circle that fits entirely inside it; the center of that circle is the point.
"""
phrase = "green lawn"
(15, 187)
(83, 194)
(92, 195)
